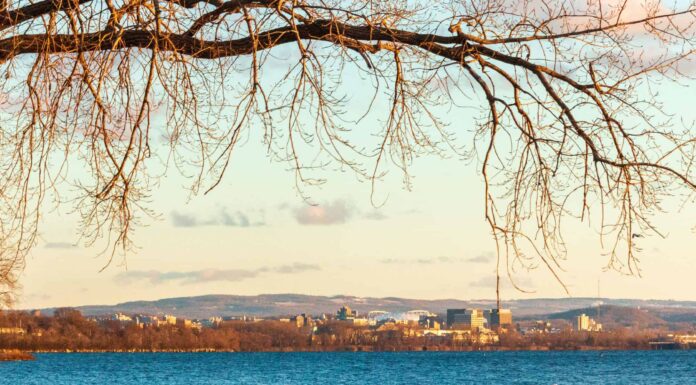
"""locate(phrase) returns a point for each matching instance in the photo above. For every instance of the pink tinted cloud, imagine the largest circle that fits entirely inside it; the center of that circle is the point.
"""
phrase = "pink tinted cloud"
(327, 214)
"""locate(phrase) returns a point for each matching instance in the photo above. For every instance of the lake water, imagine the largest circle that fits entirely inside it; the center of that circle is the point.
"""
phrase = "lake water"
(441, 368)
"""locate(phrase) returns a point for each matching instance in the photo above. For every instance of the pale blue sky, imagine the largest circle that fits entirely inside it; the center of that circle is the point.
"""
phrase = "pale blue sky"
(430, 242)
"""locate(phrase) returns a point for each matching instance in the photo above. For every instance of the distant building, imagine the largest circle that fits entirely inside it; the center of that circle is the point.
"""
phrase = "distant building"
(308, 320)
(14, 330)
(538, 327)
(585, 323)
(377, 314)
(345, 313)
(582, 322)
(302, 320)
(685, 339)
(212, 322)
(499, 318)
(185, 323)
(484, 337)
(430, 322)
(360, 321)
(416, 315)
(466, 319)
(153, 320)
(452, 315)
(120, 317)
(147, 320)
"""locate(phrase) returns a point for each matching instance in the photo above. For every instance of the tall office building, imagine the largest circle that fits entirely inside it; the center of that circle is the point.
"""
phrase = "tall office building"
(499, 318)
(452, 314)
(585, 323)
(346, 313)
(468, 319)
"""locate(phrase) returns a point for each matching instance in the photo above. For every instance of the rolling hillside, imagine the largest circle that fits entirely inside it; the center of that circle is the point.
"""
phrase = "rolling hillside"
(285, 304)
(612, 316)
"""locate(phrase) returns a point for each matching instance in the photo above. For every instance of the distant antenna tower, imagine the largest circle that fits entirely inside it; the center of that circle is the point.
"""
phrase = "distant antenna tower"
(599, 300)
(497, 292)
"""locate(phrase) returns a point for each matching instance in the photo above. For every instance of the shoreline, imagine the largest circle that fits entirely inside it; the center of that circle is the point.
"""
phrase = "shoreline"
(353, 349)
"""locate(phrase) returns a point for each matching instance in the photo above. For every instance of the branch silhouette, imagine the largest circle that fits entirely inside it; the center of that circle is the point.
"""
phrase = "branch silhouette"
(570, 123)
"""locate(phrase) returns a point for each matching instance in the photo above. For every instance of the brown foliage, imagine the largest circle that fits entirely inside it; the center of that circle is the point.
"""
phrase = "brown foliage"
(68, 330)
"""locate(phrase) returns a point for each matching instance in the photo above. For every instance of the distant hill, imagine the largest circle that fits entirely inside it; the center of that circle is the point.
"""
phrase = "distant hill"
(274, 305)
(612, 316)
(286, 304)
(676, 315)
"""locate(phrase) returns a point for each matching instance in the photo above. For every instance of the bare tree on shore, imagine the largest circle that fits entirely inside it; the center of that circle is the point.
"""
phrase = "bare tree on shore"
(98, 96)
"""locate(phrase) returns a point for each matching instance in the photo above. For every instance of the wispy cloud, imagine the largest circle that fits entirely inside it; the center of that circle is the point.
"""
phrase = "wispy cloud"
(209, 275)
(238, 219)
(35, 297)
(221, 218)
(438, 260)
(183, 220)
(420, 261)
(294, 268)
(481, 258)
(331, 213)
(375, 215)
(60, 245)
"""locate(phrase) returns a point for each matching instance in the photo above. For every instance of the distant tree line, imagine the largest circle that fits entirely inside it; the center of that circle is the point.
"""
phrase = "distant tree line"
(620, 338)
(69, 330)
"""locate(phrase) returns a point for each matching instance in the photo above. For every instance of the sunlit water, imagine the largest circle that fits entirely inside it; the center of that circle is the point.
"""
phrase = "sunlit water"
(588, 367)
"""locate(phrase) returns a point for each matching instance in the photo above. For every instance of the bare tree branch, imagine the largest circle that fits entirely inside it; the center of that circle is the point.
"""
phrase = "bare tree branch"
(570, 126)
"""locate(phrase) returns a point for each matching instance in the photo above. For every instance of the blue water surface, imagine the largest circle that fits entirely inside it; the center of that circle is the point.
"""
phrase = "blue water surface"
(425, 368)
